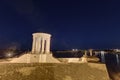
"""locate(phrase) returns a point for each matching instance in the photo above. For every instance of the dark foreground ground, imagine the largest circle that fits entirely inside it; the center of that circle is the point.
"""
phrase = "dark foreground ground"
(45, 71)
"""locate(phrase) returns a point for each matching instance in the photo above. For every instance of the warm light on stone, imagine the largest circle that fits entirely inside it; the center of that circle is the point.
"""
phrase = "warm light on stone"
(41, 43)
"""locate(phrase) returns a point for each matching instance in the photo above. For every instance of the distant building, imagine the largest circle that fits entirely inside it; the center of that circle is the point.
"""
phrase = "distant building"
(116, 50)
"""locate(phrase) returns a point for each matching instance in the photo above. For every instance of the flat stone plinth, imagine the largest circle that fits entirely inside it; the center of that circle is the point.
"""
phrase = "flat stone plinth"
(53, 71)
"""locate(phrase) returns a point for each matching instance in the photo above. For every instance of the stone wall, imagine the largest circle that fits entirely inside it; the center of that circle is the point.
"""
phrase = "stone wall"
(53, 71)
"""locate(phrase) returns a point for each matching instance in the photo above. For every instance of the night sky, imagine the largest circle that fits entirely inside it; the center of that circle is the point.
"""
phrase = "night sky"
(73, 24)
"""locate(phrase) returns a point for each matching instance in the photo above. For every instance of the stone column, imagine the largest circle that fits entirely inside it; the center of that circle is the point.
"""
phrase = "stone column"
(47, 49)
(39, 45)
(33, 45)
(43, 44)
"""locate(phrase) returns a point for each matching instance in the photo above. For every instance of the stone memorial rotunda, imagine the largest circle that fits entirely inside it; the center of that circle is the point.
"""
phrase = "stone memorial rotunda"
(40, 51)
(41, 43)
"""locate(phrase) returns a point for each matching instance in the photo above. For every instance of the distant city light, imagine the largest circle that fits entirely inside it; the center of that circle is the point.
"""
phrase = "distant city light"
(9, 54)
(74, 49)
